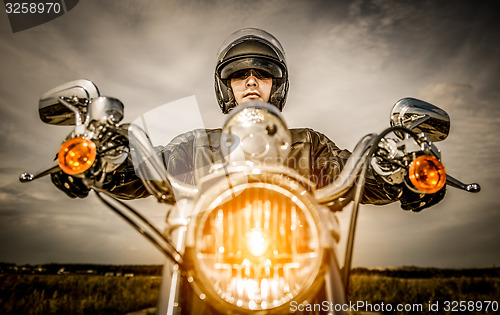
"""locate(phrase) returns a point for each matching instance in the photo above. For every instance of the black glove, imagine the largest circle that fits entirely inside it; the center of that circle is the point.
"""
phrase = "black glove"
(71, 186)
(418, 202)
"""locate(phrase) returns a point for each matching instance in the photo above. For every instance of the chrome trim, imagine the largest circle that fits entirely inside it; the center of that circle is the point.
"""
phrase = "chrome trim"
(79, 127)
(348, 175)
(49, 106)
(148, 166)
(105, 110)
(420, 116)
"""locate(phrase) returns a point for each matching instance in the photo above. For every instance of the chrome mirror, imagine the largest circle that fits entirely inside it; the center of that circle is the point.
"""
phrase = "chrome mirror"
(61, 105)
(421, 116)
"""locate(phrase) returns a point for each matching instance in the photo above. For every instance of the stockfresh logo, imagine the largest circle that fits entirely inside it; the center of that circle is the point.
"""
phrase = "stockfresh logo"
(27, 14)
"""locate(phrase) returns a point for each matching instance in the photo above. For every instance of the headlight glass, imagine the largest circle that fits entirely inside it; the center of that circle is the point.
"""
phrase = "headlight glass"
(257, 247)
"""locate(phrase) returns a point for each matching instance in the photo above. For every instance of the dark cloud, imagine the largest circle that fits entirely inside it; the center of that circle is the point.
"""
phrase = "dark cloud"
(41, 235)
(45, 226)
(349, 62)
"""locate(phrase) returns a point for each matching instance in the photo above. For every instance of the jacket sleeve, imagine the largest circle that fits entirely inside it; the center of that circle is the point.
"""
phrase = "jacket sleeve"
(327, 161)
(123, 183)
(185, 157)
(176, 157)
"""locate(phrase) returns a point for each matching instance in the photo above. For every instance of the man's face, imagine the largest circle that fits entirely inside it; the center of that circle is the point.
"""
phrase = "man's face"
(251, 85)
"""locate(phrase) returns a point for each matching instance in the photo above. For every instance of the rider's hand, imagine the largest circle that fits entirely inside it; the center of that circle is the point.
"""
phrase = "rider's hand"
(418, 202)
(71, 186)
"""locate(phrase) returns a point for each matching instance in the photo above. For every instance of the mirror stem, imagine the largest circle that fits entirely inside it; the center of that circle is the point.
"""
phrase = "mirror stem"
(79, 128)
(419, 121)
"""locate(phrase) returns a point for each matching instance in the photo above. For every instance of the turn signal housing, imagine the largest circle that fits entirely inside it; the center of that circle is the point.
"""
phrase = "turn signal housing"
(427, 174)
(76, 155)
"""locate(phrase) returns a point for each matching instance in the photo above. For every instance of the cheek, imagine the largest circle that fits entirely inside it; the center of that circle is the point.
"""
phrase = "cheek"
(237, 91)
(236, 86)
(267, 86)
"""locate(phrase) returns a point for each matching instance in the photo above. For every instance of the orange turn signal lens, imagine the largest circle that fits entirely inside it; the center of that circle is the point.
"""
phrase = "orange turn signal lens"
(427, 174)
(76, 155)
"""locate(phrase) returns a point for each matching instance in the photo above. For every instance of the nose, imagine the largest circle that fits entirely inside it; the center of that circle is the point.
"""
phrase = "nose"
(251, 81)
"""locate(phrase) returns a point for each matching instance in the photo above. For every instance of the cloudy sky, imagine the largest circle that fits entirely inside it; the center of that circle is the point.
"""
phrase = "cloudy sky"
(349, 63)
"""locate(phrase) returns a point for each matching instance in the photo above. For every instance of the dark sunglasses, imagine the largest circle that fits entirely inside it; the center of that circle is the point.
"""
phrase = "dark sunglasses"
(243, 74)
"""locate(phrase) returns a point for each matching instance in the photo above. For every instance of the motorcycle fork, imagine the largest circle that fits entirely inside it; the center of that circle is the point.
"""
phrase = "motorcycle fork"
(169, 299)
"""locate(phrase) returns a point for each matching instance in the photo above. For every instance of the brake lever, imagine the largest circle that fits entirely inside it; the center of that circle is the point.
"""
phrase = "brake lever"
(28, 177)
(453, 182)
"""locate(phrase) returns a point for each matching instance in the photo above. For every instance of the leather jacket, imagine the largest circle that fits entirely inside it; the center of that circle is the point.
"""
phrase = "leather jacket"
(189, 156)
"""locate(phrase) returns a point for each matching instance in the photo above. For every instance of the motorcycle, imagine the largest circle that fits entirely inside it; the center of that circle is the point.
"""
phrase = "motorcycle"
(250, 235)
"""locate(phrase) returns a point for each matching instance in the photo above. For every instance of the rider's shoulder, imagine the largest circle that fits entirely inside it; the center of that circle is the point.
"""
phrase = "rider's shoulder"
(195, 134)
(307, 134)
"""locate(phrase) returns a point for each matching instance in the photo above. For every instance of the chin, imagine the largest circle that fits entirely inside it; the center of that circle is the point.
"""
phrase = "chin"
(249, 99)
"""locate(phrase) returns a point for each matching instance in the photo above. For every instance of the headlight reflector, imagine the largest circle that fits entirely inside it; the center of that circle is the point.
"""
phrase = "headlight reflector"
(257, 247)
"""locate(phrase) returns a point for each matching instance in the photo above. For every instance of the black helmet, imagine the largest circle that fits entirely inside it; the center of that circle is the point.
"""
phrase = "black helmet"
(251, 48)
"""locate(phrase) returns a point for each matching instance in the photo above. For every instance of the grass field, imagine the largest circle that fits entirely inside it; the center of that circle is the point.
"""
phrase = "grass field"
(393, 290)
(97, 294)
(76, 294)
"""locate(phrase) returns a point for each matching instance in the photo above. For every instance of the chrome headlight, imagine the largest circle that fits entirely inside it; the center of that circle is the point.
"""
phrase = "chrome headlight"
(257, 246)
(256, 132)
